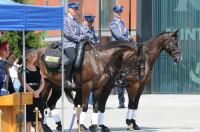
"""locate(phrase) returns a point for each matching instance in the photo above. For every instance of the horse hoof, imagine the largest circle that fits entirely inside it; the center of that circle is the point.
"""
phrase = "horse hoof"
(135, 126)
(46, 128)
(104, 128)
(59, 128)
(83, 128)
(129, 128)
(94, 128)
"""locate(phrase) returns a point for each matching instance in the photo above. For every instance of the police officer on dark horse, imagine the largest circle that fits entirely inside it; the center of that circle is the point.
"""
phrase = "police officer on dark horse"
(97, 63)
(72, 37)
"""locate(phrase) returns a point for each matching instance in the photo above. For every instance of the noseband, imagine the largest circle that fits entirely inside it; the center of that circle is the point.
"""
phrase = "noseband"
(170, 48)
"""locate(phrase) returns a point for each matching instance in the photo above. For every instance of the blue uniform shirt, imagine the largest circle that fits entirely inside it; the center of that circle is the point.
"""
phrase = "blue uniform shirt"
(71, 32)
(89, 32)
(118, 30)
(1, 74)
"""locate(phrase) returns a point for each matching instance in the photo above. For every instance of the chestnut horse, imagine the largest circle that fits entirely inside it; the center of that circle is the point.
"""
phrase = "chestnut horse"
(165, 41)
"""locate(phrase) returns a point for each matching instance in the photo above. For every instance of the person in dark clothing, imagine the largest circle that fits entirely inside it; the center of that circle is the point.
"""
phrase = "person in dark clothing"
(34, 84)
(4, 53)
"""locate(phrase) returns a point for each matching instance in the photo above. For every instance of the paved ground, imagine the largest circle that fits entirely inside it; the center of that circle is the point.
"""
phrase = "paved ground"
(164, 113)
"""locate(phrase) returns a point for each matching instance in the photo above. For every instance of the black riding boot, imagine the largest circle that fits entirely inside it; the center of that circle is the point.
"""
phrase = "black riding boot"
(68, 74)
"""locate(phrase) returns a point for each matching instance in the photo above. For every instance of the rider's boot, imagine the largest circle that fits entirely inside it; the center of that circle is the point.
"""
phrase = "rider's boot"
(69, 81)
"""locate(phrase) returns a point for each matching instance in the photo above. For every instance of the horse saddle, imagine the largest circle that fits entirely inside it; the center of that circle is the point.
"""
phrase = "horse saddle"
(53, 56)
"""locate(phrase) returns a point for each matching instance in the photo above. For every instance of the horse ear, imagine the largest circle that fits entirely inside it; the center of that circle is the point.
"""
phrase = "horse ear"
(175, 33)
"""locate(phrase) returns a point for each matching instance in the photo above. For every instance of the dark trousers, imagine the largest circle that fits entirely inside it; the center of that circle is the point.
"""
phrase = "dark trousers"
(120, 91)
(71, 54)
(90, 100)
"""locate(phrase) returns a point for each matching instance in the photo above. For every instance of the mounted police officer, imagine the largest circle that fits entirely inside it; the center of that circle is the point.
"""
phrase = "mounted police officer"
(87, 28)
(4, 53)
(72, 37)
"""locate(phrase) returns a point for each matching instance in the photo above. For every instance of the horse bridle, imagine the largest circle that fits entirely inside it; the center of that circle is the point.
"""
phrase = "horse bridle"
(170, 48)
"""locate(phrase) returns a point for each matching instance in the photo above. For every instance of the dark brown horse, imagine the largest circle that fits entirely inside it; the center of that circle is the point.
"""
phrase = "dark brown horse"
(167, 41)
(98, 67)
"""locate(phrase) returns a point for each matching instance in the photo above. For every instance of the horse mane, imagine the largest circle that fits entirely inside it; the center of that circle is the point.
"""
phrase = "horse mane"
(153, 38)
(115, 44)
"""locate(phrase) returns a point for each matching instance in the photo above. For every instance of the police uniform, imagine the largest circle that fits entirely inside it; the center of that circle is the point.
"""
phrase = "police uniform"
(119, 32)
(71, 38)
(89, 31)
(117, 27)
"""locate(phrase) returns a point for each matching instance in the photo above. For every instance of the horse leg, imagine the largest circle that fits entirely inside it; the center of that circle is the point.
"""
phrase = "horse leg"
(96, 97)
(51, 103)
(44, 95)
(102, 103)
(85, 95)
(133, 95)
(135, 107)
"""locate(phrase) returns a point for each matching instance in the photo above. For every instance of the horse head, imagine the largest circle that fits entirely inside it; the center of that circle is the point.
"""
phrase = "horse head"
(171, 46)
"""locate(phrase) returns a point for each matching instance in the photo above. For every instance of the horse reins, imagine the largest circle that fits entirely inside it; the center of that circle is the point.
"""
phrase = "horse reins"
(100, 57)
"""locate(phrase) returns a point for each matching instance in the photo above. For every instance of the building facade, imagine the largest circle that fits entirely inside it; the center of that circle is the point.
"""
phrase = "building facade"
(92, 6)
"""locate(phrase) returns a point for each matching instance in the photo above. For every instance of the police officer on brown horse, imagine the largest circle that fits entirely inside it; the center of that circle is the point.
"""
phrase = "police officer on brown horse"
(72, 37)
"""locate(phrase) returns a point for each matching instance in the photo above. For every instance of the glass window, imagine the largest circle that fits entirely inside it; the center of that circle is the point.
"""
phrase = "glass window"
(107, 15)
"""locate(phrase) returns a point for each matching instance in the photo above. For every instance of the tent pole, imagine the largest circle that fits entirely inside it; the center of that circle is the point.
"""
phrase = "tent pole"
(64, 3)
(24, 76)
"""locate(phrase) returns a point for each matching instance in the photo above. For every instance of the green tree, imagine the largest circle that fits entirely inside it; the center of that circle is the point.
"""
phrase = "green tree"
(21, 1)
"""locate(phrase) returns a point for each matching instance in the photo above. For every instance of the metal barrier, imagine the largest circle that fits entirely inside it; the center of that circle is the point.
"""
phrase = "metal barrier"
(37, 113)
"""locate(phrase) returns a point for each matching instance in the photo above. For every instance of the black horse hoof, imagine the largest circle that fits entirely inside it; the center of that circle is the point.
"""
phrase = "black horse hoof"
(59, 128)
(104, 128)
(129, 128)
(135, 126)
(94, 128)
(46, 128)
(83, 128)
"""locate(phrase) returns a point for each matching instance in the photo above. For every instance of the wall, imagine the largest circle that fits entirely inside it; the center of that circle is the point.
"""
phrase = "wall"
(92, 6)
